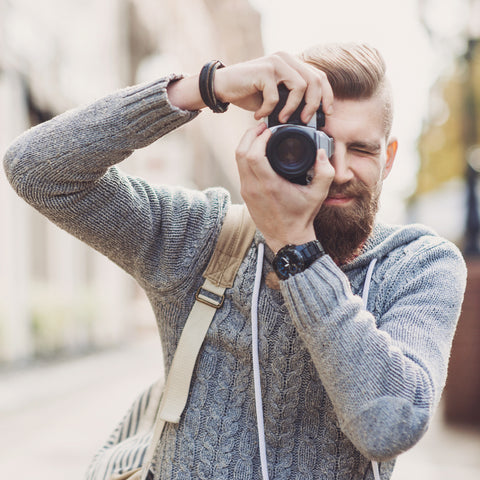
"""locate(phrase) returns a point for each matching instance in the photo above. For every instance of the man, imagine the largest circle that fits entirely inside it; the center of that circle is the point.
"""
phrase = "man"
(342, 384)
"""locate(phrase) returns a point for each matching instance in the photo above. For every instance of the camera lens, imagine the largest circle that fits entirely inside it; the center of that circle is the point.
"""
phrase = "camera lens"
(290, 150)
(291, 153)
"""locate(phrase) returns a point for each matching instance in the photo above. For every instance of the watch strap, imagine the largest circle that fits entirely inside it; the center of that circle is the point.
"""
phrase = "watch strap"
(310, 251)
(293, 259)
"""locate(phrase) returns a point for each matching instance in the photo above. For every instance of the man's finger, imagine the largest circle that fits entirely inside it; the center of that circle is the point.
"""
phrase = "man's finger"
(317, 87)
(248, 137)
(323, 171)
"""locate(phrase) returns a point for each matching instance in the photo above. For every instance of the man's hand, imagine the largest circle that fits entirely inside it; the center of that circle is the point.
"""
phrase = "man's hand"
(283, 211)
(252, 85)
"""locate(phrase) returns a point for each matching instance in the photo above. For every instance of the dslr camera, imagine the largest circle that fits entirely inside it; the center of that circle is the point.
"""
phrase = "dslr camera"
(292, 147)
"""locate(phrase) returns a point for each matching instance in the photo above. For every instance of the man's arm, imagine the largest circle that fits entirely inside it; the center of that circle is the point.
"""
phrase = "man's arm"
(65, 168)
(385, 373)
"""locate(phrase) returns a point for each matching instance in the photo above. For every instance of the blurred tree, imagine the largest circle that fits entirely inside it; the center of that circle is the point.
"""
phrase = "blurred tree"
(451, 128)
(442, 142)
(451, 133)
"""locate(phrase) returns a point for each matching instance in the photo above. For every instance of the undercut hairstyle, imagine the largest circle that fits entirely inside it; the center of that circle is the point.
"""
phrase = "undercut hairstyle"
(356, 71)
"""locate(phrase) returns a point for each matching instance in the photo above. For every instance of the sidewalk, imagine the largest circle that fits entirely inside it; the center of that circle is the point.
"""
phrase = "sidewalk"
(444, 453)
(54, 417)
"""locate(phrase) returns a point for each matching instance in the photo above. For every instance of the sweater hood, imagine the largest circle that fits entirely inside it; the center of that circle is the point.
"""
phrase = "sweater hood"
(386, 238)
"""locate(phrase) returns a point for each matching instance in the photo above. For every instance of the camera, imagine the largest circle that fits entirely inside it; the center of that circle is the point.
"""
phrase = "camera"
(292, 147)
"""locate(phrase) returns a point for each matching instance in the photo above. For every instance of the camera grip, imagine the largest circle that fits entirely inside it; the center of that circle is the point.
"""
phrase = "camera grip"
(294, 118)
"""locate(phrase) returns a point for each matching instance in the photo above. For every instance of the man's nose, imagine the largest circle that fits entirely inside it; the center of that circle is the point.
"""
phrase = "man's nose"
(343, 172)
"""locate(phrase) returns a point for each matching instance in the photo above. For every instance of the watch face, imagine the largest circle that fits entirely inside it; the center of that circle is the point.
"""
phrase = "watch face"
(289, 262)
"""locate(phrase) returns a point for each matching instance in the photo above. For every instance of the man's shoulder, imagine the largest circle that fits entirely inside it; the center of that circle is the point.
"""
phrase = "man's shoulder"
(411, 241)
(415, 256)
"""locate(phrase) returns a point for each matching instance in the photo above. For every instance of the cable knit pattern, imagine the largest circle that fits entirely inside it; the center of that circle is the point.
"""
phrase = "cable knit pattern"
(341, 385)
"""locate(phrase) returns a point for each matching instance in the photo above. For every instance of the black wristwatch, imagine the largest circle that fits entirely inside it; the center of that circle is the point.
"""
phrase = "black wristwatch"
(293, 259)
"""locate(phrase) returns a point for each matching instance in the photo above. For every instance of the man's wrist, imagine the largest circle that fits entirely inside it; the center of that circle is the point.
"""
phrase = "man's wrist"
(185, 94)
(293, 259)
(219, 84)
(277, 244)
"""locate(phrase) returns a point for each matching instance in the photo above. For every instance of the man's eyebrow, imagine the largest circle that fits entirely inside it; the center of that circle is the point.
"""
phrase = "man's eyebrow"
(372, 147)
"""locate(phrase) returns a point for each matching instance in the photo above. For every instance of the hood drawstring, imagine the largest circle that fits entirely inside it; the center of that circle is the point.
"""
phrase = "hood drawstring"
(256, 363)
(366, 289)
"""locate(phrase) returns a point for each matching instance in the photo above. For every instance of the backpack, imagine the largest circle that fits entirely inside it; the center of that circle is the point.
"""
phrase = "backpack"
(128, 452)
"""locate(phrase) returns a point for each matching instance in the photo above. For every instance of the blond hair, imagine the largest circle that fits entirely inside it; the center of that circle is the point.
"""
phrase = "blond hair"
(356, 71)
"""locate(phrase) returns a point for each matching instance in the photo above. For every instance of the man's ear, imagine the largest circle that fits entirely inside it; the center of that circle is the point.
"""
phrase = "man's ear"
(391, 153)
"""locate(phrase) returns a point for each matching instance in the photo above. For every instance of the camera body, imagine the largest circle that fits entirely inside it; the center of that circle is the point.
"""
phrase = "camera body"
(292, 147)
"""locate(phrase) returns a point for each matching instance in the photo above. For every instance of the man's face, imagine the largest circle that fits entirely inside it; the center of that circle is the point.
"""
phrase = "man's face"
(362, 160)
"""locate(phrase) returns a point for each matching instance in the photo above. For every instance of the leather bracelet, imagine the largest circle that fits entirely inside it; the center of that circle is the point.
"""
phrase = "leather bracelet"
(205, 84)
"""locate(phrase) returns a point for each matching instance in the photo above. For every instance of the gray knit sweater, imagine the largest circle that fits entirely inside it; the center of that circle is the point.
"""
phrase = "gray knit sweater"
(341, 385)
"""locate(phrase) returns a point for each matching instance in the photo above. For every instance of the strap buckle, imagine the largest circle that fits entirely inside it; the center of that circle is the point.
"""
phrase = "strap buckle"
(210, 299)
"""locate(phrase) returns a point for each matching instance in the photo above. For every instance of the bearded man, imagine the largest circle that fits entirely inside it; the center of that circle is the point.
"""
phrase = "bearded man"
(347, 383)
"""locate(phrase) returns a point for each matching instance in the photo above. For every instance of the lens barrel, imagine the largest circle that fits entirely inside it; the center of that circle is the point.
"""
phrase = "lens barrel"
(291, 152)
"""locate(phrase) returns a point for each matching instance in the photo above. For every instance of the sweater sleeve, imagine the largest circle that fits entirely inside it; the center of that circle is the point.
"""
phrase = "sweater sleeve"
(383, 375)
(65, 168)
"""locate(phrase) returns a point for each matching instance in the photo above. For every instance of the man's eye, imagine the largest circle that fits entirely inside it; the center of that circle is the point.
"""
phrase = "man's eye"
(361, 152)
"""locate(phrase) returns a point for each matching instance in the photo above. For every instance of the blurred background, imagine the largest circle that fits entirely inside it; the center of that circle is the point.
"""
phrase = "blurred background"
(77, 338)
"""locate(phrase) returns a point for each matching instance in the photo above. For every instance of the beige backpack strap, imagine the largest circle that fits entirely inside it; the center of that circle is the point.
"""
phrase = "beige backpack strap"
(233, 242)
(235, 238)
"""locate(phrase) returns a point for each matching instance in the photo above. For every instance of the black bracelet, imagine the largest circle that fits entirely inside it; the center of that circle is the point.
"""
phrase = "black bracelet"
(205, 83)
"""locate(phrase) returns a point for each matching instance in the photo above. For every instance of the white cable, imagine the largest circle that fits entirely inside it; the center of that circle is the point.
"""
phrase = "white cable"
(366, 285)
(256, 364)
(366, 289)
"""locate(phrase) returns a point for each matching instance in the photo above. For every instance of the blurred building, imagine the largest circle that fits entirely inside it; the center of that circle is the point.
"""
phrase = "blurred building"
(447, 197)
(57, 295)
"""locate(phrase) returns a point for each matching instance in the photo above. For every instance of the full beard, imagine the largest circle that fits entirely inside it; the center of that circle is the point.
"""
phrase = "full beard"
(343, 230)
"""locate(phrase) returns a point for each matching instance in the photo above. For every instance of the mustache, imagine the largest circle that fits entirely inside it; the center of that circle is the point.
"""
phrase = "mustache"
(353, 188)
